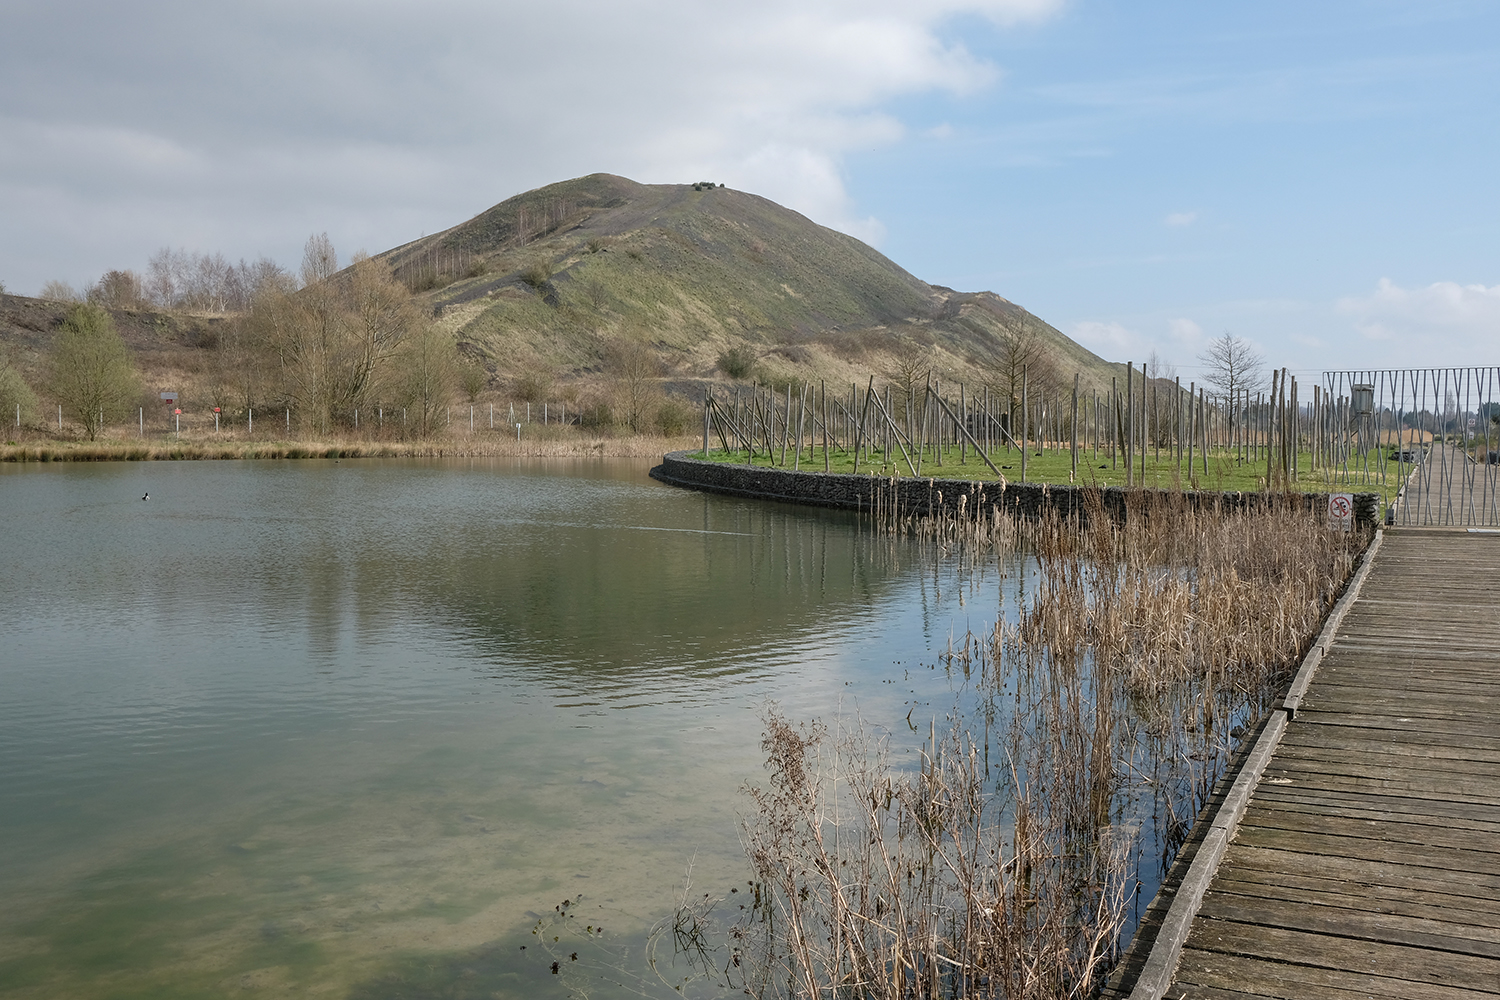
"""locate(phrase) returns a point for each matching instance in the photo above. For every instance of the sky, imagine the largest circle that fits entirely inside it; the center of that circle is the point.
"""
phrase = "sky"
(1317, 179)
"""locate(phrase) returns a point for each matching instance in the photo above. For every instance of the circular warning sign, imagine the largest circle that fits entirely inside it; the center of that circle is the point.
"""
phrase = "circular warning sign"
(1340, 506)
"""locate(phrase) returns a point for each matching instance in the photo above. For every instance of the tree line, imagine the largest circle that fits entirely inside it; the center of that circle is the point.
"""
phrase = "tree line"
(323, 345)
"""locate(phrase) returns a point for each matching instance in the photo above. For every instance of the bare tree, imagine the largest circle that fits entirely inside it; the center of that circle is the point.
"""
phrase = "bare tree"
(634, 369)
(334, 342)
(428, 373)
(59, 291)
(319, 261)
(1232, 366)
(119, 290)
(910, 362)
(92, 374)
(1019, 351)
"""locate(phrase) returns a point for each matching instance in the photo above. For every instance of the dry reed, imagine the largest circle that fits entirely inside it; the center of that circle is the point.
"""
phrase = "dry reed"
(1112, 701)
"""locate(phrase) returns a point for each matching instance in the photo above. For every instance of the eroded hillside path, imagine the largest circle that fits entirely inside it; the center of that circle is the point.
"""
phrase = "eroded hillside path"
(1367, 859)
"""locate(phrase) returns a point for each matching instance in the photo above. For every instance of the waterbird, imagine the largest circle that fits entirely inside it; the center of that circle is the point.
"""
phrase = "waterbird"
(145, 496)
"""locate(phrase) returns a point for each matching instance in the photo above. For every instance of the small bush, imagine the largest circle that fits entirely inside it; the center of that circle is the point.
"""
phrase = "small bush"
(532, 387)
(737, 362)
(536, 275)
(596, 416)
(673, 417)
(478, 268)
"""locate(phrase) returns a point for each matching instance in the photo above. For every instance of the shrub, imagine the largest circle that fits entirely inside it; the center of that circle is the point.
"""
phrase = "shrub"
(673, 417)
(737, 362)
(532, 387)
(596, 416)
(536, 275)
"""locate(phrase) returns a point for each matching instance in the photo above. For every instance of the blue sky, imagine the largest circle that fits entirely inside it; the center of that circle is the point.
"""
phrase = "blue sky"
(1316, 178)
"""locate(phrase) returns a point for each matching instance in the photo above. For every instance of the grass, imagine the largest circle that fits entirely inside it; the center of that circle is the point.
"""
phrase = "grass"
(1225, 473)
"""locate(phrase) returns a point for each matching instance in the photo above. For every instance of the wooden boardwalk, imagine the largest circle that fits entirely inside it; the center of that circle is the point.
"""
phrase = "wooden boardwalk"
(1366, 861)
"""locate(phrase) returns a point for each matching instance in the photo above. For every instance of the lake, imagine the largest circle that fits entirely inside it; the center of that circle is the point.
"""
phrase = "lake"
(359, 728)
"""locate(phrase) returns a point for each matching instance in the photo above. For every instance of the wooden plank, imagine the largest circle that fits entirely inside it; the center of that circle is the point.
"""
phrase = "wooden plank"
(1349, 955)
(1428, 812)
(1356, 848)
(1453, 937)
(1242, 856)
(1384, 831)
(1215, 970)
(1439, 906)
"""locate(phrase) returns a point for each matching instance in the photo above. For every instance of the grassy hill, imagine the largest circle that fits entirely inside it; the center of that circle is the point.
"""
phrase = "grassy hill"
(541, 279)
(544, 284)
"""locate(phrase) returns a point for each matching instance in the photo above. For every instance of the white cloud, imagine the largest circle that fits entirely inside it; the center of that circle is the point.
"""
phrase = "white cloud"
(1178, 219)
(1444, 323)
(357, 118)
(1109, 340)
(1187, 334)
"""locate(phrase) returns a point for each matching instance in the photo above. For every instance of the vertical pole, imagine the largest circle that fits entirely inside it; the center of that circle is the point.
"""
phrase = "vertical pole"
(1073, 427)
(1129, 423)
(289, 421)
(492, 416)
(59, 416)
(251, 420)
(141, 415)
(1023, 423)
(1192, 428)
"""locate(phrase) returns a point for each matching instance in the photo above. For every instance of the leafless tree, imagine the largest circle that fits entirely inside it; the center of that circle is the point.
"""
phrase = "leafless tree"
(60, 291)
(428, 372)
(319, 261)
(1232, 366)
(1020, 351)
(634, 370)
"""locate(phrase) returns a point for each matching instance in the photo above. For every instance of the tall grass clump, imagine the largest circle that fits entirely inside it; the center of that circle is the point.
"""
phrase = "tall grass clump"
(1099, 712)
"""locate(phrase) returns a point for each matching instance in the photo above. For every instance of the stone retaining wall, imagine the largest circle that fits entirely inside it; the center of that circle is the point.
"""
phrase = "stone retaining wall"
(929, 495)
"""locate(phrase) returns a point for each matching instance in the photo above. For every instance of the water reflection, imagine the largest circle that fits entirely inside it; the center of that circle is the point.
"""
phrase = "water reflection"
(302, 724)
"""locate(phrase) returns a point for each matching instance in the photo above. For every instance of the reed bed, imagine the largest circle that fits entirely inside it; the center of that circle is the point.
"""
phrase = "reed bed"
(560, 446)
(1100, 712)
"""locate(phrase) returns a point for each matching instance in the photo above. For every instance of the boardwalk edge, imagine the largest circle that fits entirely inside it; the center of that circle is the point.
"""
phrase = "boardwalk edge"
(1160, 966)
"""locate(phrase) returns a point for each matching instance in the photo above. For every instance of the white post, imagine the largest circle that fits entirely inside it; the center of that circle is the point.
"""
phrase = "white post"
(528, 413)
(471, 418)
(492, 416)
(544, 414)
(178, 417)
(59, 416)
(565, 414)
(356, 418)
(288, 421)
(518, 433)
(216, 421)
(141, 415)
(252, 421)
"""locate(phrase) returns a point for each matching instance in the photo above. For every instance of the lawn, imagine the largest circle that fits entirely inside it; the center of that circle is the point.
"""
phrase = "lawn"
(1224, 472)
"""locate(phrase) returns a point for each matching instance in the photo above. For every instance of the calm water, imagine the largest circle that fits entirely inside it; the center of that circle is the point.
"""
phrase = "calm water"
(352, 728)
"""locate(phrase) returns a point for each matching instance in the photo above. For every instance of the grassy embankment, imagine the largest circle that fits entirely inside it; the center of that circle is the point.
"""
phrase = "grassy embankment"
(1056, 466)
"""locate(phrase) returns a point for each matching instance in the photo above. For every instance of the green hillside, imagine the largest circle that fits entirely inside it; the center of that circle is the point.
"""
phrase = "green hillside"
(541, 280)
